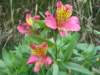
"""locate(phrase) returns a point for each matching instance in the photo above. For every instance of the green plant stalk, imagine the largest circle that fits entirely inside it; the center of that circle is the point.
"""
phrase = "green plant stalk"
(55, 37)
(43, 71)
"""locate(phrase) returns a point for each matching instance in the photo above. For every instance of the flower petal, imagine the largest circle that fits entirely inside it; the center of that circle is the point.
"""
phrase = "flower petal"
(33, 46)
(37, 67)
(50, 20)
(23, 28)
(29, 19)
(68, 7)
(62, 33)
(36, 17)
(20, 29)
(32, 59)
(44, 45)
(69, 10)
(72, 24)
(59, 4)
(47, 60)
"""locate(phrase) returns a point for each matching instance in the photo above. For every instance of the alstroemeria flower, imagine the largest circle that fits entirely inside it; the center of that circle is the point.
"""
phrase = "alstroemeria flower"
(30, 19)
(62, 20)
(23, 28)
(39, 57)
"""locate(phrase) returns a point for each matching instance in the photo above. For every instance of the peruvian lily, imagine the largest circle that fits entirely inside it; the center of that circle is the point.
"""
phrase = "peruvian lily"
(62, 20)
(24, 28)
(39, 57)
(30, 20)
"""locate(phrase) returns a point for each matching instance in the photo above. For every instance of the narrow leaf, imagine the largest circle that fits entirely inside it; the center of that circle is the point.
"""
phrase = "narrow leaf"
(55, 69)
(78, 68)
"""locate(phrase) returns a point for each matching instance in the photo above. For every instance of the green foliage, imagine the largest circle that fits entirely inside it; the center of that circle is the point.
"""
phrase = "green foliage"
(14, 62)
(78, 68)
(55, 69)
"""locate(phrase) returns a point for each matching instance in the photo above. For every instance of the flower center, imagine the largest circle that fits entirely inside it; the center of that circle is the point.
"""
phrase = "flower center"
(39, 52)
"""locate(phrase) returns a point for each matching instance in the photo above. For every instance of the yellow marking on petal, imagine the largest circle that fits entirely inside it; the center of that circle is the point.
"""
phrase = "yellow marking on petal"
(29, 21)
(39, 52)
(62, 15)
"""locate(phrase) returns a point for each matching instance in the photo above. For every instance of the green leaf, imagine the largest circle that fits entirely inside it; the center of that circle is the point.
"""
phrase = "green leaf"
(68, 48)
(55, 69)
(3, 68)
(52, 52)
(49, 71)
(97, 48)
(62, 73)
(82, 46)
(37, 39)
(41, 23)
(78, 68)
(2, 64)
(86, 48)
(6, 57)
(96, 32)
(87, 51)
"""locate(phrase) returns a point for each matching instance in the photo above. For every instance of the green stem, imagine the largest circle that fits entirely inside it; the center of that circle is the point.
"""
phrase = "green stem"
(55, 39)
(42, 71)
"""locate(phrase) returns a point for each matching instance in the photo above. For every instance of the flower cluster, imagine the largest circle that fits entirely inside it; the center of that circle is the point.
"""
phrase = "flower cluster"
(62, 21)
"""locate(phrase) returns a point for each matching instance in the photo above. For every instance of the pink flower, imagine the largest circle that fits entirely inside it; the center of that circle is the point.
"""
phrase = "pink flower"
(23, 28)
(63, 21)
(30, 19)
(36, 17)
(39, 57)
